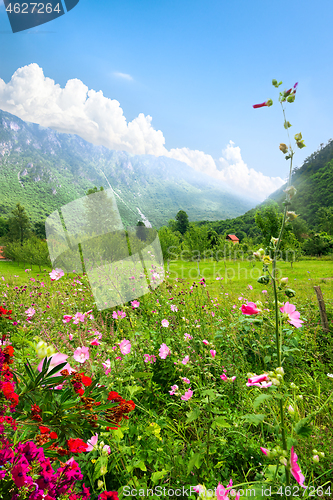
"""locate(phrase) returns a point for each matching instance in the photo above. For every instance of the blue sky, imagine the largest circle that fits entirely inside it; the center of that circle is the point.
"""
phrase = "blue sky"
(195, 67)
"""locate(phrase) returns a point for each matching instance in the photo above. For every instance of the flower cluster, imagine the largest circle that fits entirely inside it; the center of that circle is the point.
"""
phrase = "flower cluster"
(27, 470)
(7, 384)
(117, 413)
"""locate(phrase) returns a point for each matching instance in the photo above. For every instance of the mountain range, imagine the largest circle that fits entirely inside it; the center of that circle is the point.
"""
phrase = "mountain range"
(43, 170)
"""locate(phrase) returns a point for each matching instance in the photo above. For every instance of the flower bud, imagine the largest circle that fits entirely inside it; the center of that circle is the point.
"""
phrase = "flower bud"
(290, 192)
(315, 459)
(269, 102)
(283, 147)
(283, 461)
(267, 259)
(300, 397)
(279, 370)
(314, 452)
(274, 82)
(321, 454)
(283, 282)
(103, 470)
(301, 144)
(274, 240)
(291, 215)
(298, 137)
(291, 98)
(100, 484)
(291, 410)
(264, 280)
(280, 304)
(275, 381)
(293, 386)
(289, 292)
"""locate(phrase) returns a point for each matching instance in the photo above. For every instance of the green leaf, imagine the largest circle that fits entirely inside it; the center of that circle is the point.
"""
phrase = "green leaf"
(302, 428)
(267, 359)
(255, 419)
(29, 371)
(140, 465)
(194, 461)
(56, 369)
(193, 415)
(158, 475)
(260, 399)
(220, 422)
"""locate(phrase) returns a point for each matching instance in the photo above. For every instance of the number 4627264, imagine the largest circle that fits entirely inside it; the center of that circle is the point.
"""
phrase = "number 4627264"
(30, 8)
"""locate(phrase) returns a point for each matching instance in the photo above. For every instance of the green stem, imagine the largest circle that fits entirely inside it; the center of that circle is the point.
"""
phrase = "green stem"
(284, 441)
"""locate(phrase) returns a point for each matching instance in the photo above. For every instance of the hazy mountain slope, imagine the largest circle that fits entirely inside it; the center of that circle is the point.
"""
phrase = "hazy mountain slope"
(44, 169)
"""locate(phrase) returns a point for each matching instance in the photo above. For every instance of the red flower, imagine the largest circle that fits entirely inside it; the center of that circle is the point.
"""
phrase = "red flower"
(9, 350)
(86, 380)
(108, 495)
(80, 391)
(44, 430)
(114, 396)
(53, 435)
(5, 313)
(76, 445)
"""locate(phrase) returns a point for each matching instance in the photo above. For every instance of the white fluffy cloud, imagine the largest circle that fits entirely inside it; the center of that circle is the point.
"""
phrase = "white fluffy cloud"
(77, 110)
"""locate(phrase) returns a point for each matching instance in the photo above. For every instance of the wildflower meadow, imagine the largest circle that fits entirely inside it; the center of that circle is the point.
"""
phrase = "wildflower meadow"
(205, 387)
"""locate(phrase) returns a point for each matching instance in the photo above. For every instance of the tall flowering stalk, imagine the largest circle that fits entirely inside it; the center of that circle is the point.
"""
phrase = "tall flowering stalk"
(287, 96)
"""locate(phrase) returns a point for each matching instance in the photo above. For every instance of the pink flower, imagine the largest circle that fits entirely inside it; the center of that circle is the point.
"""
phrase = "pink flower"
(56, 274)
(165, 323)
(188, 394)
(186, 360)
(79, 317)
(70, 336)
(107, 367)
(56, 360)
(135, 304)
(164, 351)
(295, 468)
(174, 308)
(205, 342)
(174, 388)
(224, 377)
(187, 336)
(30, 312)
(146, 358)
(186, 380)
(250, 287)
(67, 318)
(114, 315)
(292, 314)
(212, 353)
(264, 291)
(256, 379)
(222, 492)
(95, 342)
(81, 354)
(269, 102)
(92, 442)
(121, 314)
(264, 450)
(125, 347)
(250, 308)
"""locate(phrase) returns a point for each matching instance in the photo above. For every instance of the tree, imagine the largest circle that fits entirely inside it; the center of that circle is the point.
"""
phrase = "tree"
(182, 224)
(141, 232)
(4, 227)
(269, 220)
(325, 219)
(169, 242)
(19, 224)
(39, 230)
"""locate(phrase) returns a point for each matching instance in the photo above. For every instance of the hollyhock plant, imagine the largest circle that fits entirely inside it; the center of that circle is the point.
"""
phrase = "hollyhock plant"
(164, 351)
(56, 274)
(289, 311)
(81, 354)
(250, 309)
(125, 347)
